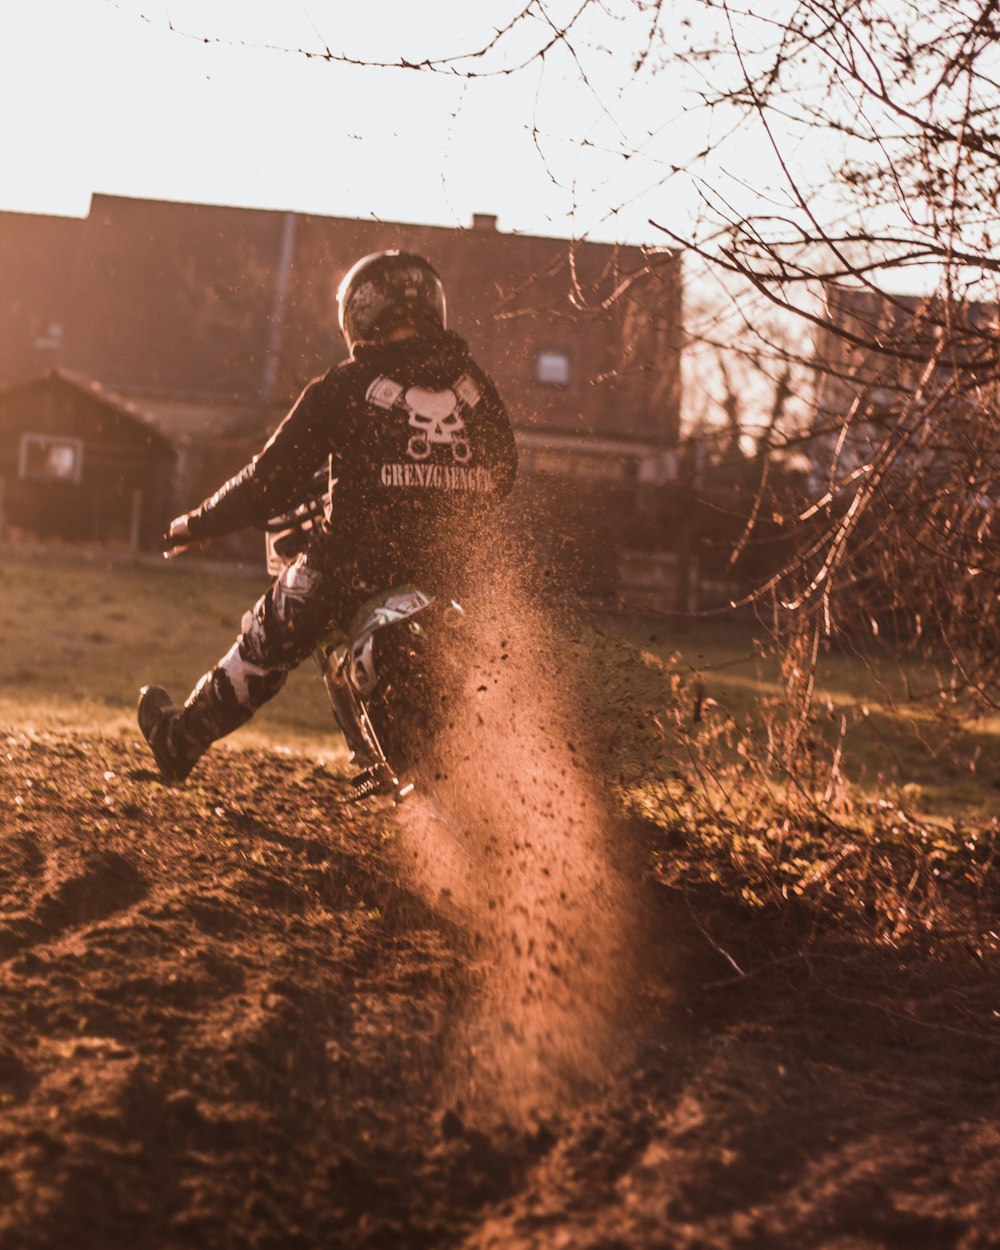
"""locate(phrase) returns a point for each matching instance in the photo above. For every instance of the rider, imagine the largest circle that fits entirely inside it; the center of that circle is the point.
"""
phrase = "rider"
(420, 451)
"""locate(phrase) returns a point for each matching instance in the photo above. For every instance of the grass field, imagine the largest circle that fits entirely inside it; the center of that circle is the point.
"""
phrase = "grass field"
(80, 635)
(894, 736)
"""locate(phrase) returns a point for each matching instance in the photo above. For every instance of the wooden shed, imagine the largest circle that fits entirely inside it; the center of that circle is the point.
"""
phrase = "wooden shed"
(81, 464)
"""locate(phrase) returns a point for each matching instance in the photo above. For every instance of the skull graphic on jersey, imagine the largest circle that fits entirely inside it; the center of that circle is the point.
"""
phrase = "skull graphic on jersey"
(435, 417)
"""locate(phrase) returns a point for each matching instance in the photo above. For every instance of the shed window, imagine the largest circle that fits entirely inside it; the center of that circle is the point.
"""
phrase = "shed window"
(45, 457)
(552, 367)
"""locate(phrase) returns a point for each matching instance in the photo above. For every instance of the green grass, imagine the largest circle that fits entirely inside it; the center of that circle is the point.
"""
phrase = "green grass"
(891, 741)
(79, 635)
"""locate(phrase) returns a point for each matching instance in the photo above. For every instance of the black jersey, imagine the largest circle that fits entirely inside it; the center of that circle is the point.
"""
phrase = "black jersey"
(414, 433)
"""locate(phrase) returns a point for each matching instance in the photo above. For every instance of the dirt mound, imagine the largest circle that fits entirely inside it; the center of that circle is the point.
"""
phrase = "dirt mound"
(233, 1015)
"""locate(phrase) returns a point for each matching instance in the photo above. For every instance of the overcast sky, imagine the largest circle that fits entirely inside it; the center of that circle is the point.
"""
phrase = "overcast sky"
(101, 95)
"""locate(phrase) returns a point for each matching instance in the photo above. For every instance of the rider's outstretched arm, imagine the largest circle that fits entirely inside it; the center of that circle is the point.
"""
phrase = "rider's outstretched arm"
(274, 477)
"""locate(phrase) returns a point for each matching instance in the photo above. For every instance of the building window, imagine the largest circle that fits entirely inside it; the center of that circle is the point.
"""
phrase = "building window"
(552, 367)
(51, 340)
(50, 458)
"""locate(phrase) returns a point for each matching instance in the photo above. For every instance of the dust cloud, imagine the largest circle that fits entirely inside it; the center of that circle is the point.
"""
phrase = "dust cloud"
(516, 841)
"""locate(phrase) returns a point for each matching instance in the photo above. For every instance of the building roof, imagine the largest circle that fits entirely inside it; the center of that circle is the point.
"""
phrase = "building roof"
(37, 255)
(233, 307)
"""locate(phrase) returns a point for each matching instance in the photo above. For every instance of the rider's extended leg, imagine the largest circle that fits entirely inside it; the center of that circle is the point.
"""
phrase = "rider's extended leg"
(282, 628)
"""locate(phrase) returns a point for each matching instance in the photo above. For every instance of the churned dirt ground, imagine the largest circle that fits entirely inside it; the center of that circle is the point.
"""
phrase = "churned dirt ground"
(233, 1015)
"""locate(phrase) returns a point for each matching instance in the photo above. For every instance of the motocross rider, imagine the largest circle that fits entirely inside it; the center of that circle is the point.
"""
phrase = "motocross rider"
(420, 452)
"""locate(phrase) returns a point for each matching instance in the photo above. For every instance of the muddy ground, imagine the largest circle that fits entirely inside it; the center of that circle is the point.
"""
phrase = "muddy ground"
(229, 1017)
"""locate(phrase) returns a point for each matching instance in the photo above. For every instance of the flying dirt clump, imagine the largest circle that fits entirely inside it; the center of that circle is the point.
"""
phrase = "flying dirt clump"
(518, 838)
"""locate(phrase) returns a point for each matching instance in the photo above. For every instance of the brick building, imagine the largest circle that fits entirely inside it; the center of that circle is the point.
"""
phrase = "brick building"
(876, 352)
(212, 319)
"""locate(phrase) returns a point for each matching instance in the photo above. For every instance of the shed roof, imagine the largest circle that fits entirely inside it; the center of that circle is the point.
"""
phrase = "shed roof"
(175, 421)
(119, 404)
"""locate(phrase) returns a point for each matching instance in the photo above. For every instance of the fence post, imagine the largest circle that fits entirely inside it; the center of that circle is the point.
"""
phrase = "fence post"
(692, 473)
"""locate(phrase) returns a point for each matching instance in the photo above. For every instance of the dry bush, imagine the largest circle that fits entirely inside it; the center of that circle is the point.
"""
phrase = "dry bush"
(759, 805)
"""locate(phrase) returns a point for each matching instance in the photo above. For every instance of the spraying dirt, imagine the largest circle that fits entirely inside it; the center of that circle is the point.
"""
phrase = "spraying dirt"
(518, 836)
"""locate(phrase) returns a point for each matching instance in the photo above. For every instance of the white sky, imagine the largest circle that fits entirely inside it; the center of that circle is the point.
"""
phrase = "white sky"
(99, 95)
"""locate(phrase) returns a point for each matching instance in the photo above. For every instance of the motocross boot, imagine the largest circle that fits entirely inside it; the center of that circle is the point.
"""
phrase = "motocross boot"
(179, 737)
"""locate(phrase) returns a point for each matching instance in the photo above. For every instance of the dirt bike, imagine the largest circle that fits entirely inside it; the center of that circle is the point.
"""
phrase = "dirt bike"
(387, 677)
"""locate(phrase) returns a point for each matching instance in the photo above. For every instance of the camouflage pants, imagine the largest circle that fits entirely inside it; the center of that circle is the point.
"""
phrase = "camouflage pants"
(281, 630)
